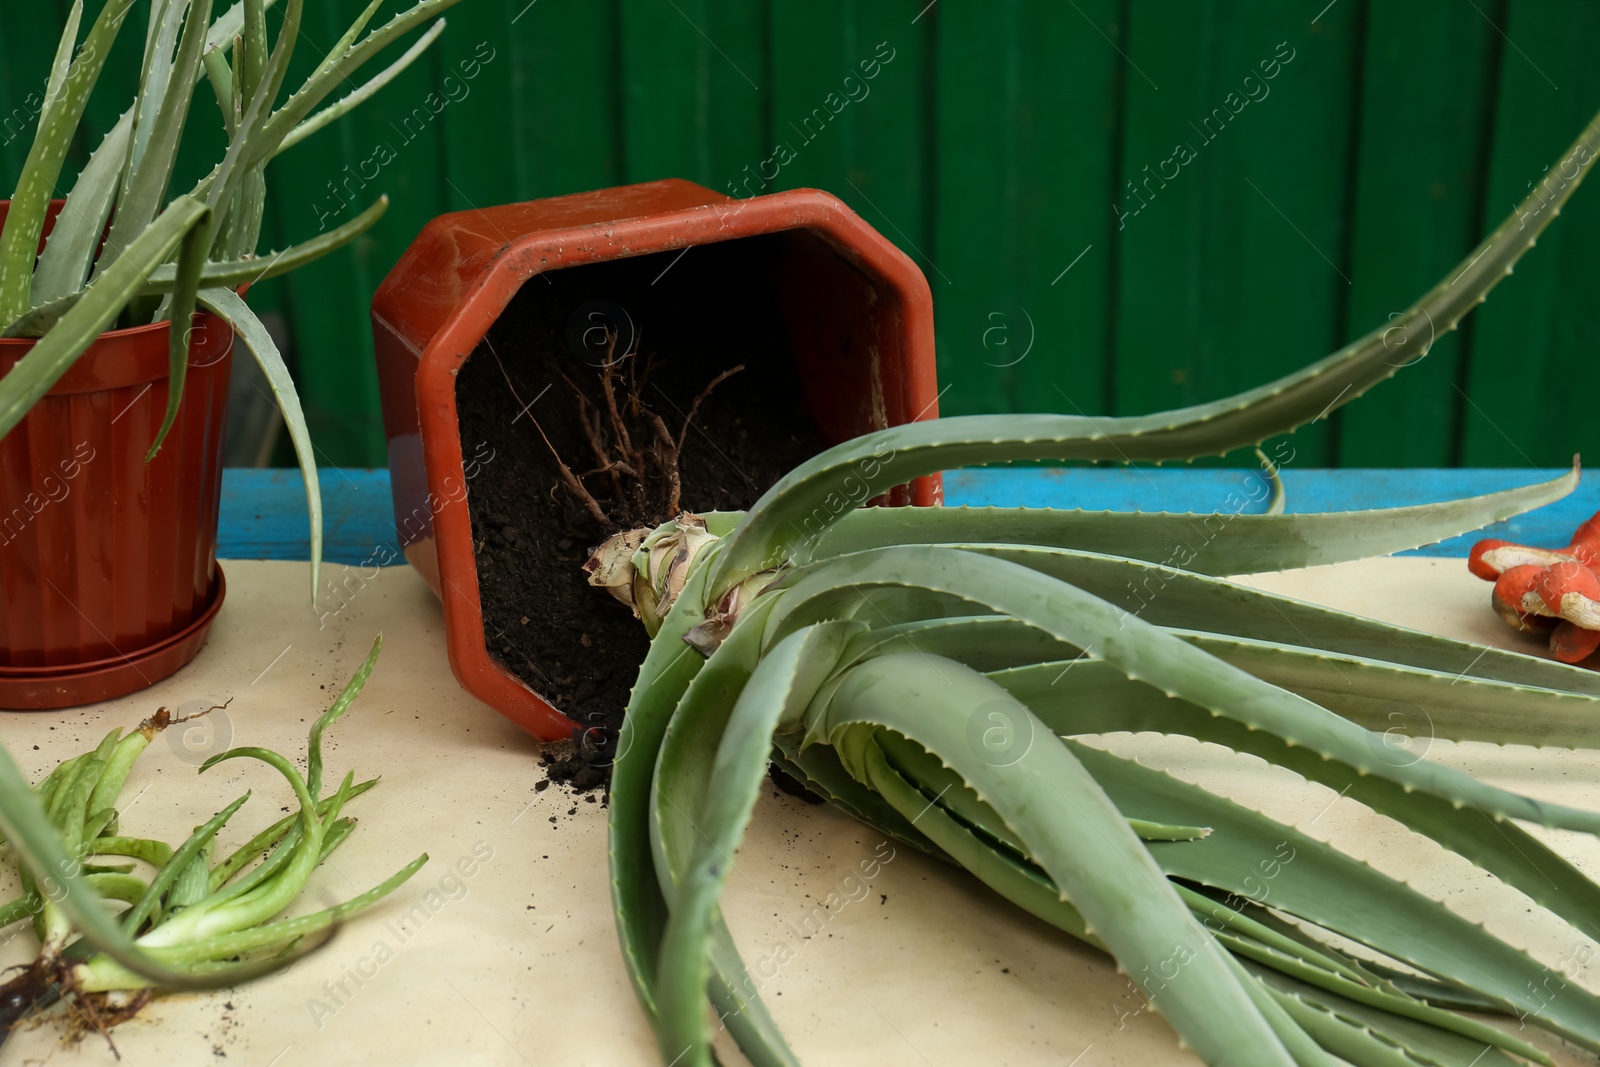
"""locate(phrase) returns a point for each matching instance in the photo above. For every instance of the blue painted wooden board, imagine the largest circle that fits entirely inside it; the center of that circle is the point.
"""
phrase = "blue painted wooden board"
(263, 511)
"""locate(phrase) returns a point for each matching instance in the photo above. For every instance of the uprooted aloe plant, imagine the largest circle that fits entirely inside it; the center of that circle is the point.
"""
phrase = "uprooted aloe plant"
(932, 672)
(118, 253)
(186, 922)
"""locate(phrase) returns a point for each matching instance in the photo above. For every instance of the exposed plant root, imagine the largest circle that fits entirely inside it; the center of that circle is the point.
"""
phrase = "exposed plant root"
(645, 476)
(570, 479)
(683, 434)
(99, 1012)
(48, 981)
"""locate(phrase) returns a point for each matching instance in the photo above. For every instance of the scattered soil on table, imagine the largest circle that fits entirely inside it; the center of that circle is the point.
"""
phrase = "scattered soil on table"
(684, 323)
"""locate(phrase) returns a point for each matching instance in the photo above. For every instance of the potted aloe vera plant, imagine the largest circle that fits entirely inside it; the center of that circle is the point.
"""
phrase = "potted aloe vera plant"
(933, 672)
(119, 306)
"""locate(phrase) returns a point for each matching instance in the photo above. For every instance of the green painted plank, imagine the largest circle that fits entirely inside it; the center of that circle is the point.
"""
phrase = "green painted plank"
(848, 112)
(1533, 377)
(1027, 97)
(389, 145)
(703, 115)
(1232, 260)
(1426, 107)
(477, 75)
(26, 49)
(565, 97)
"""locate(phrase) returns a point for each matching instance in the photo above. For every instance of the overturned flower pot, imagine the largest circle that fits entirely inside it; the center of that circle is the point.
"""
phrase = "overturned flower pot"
(557, 371)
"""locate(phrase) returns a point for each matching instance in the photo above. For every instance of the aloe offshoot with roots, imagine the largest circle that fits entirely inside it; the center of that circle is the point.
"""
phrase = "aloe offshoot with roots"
(190, 914)
(934, 671)
(162, 259)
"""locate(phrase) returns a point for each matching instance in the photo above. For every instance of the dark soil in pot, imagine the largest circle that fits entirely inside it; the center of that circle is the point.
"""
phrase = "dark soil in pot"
(659, 332)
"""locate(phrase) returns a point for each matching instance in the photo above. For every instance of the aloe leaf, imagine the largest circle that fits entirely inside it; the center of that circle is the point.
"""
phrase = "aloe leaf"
(227, 26)
(259, 844)
(983, 642)
(1224, 543)
(238, 272)
(99, 822)
(1219, 918)
(120, 754)
(63, 58)
(1368, 907)
(14, 911)
(191, 258)
(1391, 1003)
(1425, 1044)
(253, 32)
(360, 95)
(193, 881)
(264, 874)
(232, 307)
(238, 239)
(1353, 1042)
(354, 30)
(636, 894)
(959, 800)
(155, 853)
(1023, 884)
(335, 835)
(164, 97)
(725, 762)
(680, 794)
(34, 374)
(340, 705)
(155, 74)
(336, 69)
(116, 886)
(220, 75)
(19, 239)
(1397, 698)
(1301, 1045)
(220, 186)
(818, 768)
(1078, 837)
(1175, 598)
(179, 861)
(72, 802)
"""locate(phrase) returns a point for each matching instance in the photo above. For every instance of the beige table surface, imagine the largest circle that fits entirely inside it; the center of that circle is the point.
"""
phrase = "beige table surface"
(518, 963)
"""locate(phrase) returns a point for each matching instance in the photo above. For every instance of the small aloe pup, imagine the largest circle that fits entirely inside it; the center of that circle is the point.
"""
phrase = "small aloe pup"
(934, 672)
(189, 915)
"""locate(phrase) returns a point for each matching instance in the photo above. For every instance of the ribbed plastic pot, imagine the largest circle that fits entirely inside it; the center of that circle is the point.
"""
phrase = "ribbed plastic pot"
(108, 572)
(857, 313)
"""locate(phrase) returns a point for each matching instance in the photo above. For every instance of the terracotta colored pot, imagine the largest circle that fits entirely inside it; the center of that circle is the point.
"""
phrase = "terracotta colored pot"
(108, 569)
(857, 313)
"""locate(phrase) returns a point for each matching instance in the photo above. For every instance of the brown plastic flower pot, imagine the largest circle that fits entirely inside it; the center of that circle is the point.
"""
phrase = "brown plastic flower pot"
(108, 570)
(855, 311)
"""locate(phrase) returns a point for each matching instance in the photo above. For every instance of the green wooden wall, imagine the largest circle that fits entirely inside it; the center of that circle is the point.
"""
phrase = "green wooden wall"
(1023, 152)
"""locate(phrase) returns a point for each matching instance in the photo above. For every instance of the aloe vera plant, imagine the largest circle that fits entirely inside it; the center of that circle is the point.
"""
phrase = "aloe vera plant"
(934, 672)
(161, 259)
(192, 916)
